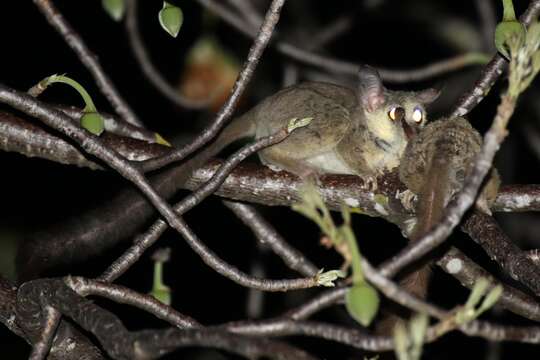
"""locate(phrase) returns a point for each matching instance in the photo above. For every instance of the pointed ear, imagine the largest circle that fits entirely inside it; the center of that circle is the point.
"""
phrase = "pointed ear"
(370, 88)
(428, 96)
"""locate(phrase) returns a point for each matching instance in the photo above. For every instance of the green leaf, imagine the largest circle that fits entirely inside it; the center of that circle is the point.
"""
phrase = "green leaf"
(508, 10)
(533, 33)
(362, 303)
(479, 289)
(115, 8)
(163, 295)
(159, 290)
(93, 122)
(491, 298)
(401, 341)
(536, 61)
(418, 327)
(327, 278)
(509, 35)
(296, 123)
(160, 140)
(171, 18)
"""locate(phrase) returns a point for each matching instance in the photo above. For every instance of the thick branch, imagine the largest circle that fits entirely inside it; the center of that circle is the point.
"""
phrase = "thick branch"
(22, 136)
(485, 231)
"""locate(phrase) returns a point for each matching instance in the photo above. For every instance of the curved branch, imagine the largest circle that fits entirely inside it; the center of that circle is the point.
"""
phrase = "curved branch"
(148, 69)
(255, 52)
(23, 137)
(343, 67)
(27, 138)
(485, 231)
(208, 256)
(114, 125)
(457, 264)
(89, 59)
(268, 236)
(492, 71)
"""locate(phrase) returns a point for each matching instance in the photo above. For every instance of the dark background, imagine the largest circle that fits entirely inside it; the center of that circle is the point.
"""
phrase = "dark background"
(395, 34)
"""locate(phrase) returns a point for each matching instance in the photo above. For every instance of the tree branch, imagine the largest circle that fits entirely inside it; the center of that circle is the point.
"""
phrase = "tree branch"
(148, 69)
(485, 231)
(491, 72)
(89, 60)
(333, 65)
(255, 52)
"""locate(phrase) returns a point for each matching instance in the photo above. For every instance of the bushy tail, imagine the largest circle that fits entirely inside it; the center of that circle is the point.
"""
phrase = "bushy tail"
(431, 205)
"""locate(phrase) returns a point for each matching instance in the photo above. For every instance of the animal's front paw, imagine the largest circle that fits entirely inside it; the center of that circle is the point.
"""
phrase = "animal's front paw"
(370, 183)
(407, 198)
(274, 167)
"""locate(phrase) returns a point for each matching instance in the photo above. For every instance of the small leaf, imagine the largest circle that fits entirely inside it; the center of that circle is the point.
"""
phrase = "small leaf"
(93, 122)
(418, 326)
(508, 10)
(296, 123)
(479, 289)
(362, 303)
(401, 341)
(533, 33)
(115, 8)
(380, 199)
(161, 141)
(536, 61)
(327, 278)
(171, 18)
(491, 298)
(509, 34)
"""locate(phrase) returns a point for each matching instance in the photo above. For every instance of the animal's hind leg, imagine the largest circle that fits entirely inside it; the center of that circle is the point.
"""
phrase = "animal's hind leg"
(299, 167)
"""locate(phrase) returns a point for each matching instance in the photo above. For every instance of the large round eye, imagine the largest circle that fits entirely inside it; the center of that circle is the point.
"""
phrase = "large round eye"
(417, 115)
(396, 113)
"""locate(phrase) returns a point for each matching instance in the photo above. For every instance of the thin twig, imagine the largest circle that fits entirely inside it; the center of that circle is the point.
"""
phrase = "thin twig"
(340, 334)
(268, 236)
(457, 264)
(144, 241)
(318, 303)
(91, 144)
(488, 20)
(255, 52)
(245, 7)
(148, 69)
(466, 196)
(491, 72)
(393, 291)
(89, 59)
(94, 145)
(124, 295)
(339, 66)
(483, 329)
(114, 125)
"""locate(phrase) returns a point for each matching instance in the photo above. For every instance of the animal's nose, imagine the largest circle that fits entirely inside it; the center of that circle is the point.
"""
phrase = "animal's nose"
(409, 131)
